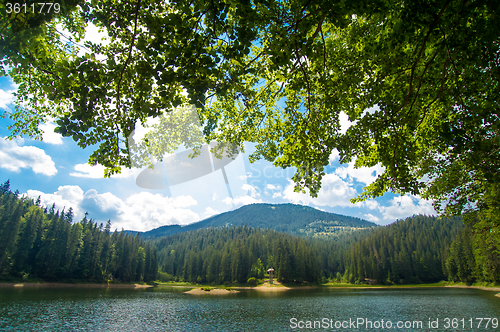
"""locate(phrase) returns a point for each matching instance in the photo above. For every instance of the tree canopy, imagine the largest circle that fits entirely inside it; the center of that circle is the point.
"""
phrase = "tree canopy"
(418, 79)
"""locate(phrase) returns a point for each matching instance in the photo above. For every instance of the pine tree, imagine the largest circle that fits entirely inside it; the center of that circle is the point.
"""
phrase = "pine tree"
(26, 239)
(8, 235)
(5, 188)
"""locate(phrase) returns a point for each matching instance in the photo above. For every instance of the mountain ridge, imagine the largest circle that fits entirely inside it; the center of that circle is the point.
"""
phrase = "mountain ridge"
(289, 218)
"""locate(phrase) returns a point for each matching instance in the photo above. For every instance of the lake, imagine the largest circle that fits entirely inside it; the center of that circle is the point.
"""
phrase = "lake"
(168, 309)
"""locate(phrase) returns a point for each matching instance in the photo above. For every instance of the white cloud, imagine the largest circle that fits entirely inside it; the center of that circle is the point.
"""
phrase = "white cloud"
(406, 206)
(93, 35)
(99, 204)
(97, 172)
(344, 118)
(250, 198)
(183, 201)
(140, 212)
(145, 211)
(65, 196)
(244, 177)
(335, 155)
(6, 98)
(334, 192)
(87, 171)
(100, 207)
(366, 175)
(210, 212)
(275, 190)
(344, 122)
(14, 158)
(370, 204)
(251, 190)
(371, 217)
(241, 200)
(70, 193)
(49, 136)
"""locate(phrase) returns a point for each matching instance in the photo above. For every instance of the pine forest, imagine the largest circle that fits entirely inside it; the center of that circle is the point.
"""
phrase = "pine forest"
(41, 244)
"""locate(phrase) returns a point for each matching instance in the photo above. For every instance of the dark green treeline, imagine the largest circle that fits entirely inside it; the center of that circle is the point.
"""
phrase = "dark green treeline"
(474, 256)
(409, 251)
(235, 254)
(413, 250)
(48, 245)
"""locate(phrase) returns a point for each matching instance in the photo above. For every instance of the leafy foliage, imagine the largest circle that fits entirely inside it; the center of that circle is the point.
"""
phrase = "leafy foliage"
(427, 70)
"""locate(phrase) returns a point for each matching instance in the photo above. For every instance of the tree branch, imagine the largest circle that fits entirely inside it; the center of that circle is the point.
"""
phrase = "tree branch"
(431, 28)
(324, 47)
(422, 78)
(443, 76)
(319, 27)
(118, 102)
(454, 68)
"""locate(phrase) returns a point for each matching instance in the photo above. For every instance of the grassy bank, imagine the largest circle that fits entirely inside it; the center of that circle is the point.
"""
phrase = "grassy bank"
(263, 284)
(69, 285)
(31, 283)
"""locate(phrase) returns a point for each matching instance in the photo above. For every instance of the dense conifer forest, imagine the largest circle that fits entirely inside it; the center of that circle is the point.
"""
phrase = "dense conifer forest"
(474, 256)
(235, 254)
(41, 243)
(409, 251)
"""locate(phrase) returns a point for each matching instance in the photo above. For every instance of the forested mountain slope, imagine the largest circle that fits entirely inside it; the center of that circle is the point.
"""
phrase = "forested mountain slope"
(41, 243)
(234, 254)
(48, 245)
(408, 251)
(288, 218)
(474, 255)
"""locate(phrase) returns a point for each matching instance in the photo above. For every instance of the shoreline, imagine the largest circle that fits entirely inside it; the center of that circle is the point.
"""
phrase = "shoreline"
(261, 288)
(214, 291)
(491, 289)
(274, 288)
(68, 285)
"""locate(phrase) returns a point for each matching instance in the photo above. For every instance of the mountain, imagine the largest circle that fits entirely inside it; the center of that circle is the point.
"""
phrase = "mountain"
(413, 250)
(288, 218)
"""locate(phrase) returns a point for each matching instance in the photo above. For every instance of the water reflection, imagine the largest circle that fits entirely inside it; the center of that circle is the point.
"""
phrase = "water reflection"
(168, 309)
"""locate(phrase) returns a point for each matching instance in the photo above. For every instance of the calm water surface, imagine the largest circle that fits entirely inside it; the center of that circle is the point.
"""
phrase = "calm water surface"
(168, 309)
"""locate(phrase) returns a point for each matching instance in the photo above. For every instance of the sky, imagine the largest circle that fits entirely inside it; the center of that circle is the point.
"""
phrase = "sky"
(139, 199)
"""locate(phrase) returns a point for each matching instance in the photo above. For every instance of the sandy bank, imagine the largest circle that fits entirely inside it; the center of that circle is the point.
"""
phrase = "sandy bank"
(64, 285)
(493, 289)
(215, 291)
(266, 287)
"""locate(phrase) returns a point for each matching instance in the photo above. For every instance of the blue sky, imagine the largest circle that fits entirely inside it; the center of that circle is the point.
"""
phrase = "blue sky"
(56, 169)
